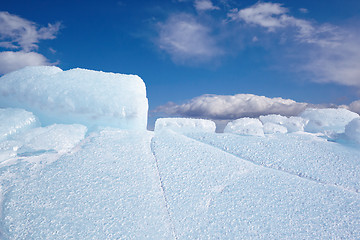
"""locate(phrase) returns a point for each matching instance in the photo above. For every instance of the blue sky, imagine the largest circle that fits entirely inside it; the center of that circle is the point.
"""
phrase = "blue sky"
(307, 51)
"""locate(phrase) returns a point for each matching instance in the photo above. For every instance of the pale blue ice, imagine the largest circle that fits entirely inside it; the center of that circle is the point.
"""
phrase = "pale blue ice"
(64, 176)
(108, 189)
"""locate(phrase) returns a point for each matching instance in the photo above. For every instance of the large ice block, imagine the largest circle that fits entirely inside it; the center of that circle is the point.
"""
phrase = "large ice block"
(185, 125)
(77, 96)
(245, 126)
(327, 120)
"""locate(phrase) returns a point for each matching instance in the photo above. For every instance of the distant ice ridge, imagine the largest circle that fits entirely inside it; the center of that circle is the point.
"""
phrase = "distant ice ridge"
(185, 125)
(78, 96)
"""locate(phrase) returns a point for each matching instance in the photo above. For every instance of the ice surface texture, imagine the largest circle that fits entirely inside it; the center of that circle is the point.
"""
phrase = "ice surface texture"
(185, 125)
(13, 121)
(301, 154)
(327, 120)
(109, 189)
(77, 96)
(212, 194)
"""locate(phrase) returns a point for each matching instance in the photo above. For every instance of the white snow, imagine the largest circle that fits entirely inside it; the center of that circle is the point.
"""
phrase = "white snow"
(352, 130)
(327, 120)
(245, 126)
(13, 121)
(77, 96)
(185, 125)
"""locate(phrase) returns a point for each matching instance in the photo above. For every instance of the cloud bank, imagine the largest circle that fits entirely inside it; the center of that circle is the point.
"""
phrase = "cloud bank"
(226, 107)
(19, 34)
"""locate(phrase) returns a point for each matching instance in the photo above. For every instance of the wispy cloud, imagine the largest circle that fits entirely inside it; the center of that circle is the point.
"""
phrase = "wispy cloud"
(273, 16)
(325, 52)
(184, 38)
(204, 5)
(337, 64)
(232, 107)
(19, 34)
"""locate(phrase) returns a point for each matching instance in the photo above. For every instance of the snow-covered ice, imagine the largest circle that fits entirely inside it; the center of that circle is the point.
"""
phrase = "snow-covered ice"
(301, 154)
(67, 179)
(77, 96)
(245, 126)
(327, 120)
(109, 189)
(185, 125)
(212, 194)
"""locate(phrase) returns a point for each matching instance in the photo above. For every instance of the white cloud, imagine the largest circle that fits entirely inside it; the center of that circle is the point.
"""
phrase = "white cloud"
(24, 36)
(10, 61)
(204, 5)
(355, 106)
(19, 33)
(337, 64)
(264, 14)
(184, 38)
(274, 16)
(232, 107)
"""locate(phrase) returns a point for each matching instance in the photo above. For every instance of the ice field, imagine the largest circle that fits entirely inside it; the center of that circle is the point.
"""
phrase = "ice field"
(74, 165)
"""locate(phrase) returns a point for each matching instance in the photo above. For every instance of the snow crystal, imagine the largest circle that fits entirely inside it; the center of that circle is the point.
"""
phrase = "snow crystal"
(77, 96)
(245, 126)
(185, 125)
(13, 121)
(352, 130)
(327, 120)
